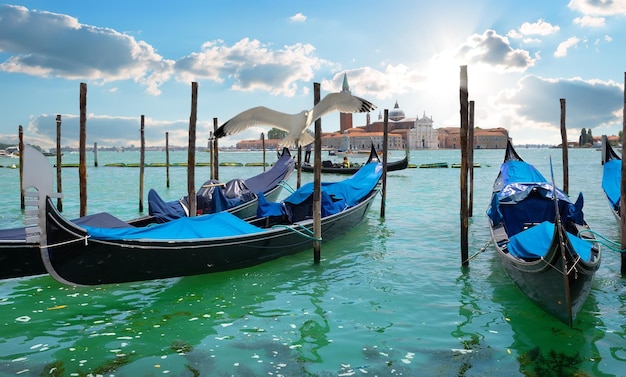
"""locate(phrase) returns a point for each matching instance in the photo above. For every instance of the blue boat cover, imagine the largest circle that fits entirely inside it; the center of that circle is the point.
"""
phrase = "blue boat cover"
(611, 180)
(534, 243)
(335, 196)
(215, 197)
(524, 199)
(221, 224)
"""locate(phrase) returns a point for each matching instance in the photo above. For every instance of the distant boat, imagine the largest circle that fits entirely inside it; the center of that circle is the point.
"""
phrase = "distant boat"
(476, 165)
(329, 167)
(434, 165)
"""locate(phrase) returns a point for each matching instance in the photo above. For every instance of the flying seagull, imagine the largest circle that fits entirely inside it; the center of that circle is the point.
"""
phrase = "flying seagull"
(295, 124)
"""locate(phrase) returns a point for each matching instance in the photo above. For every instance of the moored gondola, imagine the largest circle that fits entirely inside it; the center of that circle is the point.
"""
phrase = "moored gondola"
(536, 231)
(339, 168)
(83, 255)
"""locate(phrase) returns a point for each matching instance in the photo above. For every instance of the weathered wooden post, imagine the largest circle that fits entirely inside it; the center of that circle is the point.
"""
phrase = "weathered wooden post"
(216, 162)
(299, 164)
(211, 154)
(142, 161)
(317, 173)
(167, 159)
(383, 195)
(463, 97)
(20, 146)
(95, 154)
(470, 158)
(191, 151)
(263, 148)
(564, 148)
(59, 164)
(622, 197)
(82, 164)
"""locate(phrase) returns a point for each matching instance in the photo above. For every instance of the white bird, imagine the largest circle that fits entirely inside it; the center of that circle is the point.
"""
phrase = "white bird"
(295, 124)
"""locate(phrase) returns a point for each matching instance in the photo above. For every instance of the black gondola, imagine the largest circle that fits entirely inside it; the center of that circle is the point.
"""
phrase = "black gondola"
(83, 255)
(536, 231)
(330, 167)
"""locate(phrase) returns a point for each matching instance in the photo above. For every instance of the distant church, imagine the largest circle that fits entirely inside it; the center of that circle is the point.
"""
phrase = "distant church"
(416, 133)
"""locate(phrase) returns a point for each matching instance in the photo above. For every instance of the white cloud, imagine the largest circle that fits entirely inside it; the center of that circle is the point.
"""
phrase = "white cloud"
(494, 50)
(252, 66)
(599, 7)
(531, 108)
(540, 27)
(298, 17)
(563, 47)
(588, 21)
(54, 45)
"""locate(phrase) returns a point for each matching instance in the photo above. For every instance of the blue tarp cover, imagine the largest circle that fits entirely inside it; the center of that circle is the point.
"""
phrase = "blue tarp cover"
(213, 197)
(535, 241)
(526, 198)
(221, 224)
(611, 180)
(335, 196)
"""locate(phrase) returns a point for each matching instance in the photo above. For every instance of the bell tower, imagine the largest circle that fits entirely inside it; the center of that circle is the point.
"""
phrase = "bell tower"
(345, 119)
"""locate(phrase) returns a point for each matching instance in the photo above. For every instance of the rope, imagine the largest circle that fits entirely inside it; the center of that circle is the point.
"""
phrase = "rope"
(286, 185)
(478, 252)
(310, 234)
(604, 241)
(65, 243)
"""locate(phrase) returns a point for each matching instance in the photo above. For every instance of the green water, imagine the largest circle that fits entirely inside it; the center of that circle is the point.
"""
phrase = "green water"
(388, 299)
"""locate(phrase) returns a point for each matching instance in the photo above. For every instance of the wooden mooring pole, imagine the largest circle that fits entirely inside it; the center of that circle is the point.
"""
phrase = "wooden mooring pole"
(383, 194)
(263, 146)
(20, 145)
(142, 162)
(564, 148)
(463, 97)
(59, 165)
(191, 151)
(82, 159)
(95, 154)
(211, 154)
(317, 173)
(622, 197)
(470, 158)
(167, 159)
(216, 158)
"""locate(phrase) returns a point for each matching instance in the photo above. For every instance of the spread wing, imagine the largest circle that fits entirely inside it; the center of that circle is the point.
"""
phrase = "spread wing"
(343, 102)
(256, 116)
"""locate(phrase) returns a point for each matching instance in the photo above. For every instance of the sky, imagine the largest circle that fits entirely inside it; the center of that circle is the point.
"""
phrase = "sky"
(140, 57)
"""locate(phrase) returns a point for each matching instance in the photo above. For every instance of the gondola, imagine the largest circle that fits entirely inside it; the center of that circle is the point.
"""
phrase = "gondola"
(20, 256)
(541, 249)
(611, 177)
(237, 196)
(83, 255)
(329, 167)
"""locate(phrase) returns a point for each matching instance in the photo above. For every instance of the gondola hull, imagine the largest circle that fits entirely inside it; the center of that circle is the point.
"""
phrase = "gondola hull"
(544, 282)
(74, 259)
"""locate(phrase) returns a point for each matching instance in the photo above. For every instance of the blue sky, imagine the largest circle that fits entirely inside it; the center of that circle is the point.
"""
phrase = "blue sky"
(139, 58)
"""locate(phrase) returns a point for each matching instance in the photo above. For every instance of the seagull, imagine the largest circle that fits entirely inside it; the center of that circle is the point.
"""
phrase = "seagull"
(295, 124)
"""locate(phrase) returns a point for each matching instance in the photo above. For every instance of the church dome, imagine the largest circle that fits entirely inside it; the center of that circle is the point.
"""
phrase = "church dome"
(396, 113)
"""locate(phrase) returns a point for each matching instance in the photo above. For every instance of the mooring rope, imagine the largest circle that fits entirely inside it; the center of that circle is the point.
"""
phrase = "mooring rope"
(286, 185)
(84, 239)
(310, 234)
(604, 241)
(478, 252)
